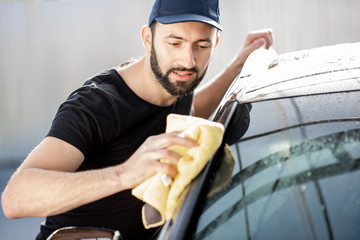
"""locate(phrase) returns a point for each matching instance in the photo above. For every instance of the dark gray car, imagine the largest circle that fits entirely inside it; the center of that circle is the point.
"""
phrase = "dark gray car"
(288, 167)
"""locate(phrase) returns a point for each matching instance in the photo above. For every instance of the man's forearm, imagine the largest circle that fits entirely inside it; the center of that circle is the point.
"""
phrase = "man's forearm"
(39, 193)
(208, 97)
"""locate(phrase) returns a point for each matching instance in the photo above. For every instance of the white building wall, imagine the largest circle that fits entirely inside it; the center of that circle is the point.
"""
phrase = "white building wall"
(49, 48)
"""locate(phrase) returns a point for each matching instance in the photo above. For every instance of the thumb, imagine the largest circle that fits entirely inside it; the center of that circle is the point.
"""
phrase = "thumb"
(252, 47)
(249, 47)
(257, 44)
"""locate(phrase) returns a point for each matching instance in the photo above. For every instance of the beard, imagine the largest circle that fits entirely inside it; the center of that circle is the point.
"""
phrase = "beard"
(177, 88)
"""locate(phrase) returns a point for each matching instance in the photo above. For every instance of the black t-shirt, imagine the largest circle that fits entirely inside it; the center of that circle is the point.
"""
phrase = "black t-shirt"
(107, 122)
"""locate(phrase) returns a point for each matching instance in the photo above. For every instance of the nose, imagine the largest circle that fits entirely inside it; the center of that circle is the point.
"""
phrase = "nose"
(187, 58)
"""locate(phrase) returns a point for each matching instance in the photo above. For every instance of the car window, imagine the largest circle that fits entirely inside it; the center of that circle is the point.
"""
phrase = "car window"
(295, 173)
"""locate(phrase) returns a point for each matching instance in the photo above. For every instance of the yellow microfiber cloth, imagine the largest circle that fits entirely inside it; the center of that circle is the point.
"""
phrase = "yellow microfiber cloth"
(162, 195)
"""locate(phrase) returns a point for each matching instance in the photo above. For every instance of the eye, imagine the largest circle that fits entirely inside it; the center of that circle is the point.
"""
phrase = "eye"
(203, 45)
(175, 44)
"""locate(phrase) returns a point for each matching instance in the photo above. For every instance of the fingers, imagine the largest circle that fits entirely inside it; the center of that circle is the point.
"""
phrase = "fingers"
(146, 160)
(270, 38)
(167, 169)
(158, 146)
(164, 141)
(159, 150)
(257, 43)
(151, 162)
(168, 155)
(263, 35)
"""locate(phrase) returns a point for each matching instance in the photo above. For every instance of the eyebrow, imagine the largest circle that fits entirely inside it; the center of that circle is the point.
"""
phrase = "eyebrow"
(181, 38)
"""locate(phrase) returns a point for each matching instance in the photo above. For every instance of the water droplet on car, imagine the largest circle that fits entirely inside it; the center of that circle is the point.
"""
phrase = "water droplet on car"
(303, 187)
(308, 174)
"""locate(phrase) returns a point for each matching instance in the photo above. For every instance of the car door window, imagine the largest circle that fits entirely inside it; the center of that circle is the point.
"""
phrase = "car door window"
(295, 174)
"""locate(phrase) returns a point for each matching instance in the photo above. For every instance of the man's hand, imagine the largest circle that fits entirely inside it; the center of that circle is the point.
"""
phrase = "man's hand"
(145, 162)
(253, 41)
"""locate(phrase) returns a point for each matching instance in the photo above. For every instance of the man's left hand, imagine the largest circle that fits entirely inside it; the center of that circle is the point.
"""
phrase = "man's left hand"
(253, 41)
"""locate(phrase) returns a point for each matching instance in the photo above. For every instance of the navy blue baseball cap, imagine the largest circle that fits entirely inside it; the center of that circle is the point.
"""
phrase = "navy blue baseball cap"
(174, 11)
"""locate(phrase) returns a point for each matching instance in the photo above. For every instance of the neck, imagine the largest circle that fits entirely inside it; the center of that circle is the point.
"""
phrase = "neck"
(141, 80)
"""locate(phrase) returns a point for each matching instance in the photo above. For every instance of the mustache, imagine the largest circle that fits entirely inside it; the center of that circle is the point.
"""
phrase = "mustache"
(193, 70)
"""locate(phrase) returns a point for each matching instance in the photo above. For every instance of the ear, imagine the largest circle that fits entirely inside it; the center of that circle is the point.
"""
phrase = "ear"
(146, 37)
(217, 39)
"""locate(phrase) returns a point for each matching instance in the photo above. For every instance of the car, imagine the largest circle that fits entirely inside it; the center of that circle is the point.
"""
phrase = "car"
(288, 166)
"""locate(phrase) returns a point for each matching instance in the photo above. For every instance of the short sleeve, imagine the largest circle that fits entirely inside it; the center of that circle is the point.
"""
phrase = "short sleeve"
(86, 119)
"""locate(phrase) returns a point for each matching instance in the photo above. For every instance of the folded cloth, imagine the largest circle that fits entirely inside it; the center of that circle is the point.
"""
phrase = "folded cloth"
(162, 197)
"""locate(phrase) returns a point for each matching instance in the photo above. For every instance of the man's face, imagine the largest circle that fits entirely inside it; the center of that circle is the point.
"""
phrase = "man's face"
(180, 55)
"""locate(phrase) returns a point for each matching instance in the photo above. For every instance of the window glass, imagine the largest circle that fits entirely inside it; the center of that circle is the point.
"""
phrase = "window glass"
(294, 179)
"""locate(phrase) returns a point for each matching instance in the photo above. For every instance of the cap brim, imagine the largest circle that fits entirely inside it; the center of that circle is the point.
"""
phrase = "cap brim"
(186, 17)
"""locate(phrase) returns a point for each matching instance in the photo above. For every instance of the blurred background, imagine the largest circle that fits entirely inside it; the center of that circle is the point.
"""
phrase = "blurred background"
(49, 48)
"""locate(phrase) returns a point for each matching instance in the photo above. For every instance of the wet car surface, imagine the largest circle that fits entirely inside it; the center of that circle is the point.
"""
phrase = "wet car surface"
(288, 167)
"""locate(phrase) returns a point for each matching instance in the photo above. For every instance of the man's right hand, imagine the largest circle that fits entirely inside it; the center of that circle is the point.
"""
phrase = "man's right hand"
(145, 162)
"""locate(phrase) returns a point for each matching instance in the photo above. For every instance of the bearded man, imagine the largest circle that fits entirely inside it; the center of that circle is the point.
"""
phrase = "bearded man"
(108, 136)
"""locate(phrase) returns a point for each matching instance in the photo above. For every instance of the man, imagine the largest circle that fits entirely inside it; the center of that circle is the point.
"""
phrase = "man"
(109, 135)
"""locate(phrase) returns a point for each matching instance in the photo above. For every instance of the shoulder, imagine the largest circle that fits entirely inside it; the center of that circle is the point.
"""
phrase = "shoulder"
(90, 115)
(100, 91)
(107, 82)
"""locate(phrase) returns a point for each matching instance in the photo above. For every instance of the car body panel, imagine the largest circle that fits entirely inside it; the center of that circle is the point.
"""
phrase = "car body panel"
(294, 133)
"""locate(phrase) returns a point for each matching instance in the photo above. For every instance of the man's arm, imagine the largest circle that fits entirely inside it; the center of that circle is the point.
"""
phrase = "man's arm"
(47, 184)
(208, 97)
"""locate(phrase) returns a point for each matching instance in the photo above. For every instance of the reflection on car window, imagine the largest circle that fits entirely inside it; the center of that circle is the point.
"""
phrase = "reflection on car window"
(298, 183)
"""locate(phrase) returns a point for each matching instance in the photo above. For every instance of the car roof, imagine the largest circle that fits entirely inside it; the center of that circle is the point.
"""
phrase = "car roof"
(320, 70)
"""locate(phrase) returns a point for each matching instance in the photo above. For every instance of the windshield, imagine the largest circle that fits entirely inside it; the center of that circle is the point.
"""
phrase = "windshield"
(295, 174)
